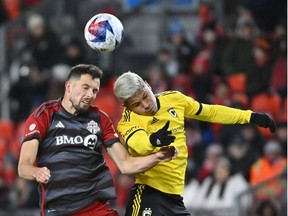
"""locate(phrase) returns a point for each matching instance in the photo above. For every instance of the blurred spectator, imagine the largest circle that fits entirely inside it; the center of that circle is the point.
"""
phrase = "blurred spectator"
(281, 136)
(3, 13)
(42, 42)
(279, 74)
(240, 156)
(7, 179)
(167, 62)
(12, 7)
(270, 165)
(74, 53)
(29, 3)
(24, 194)
(59, 74)
(253, 138)
(29, 91)
(277, 36)
(266, 208)
(261, 69)
(207, 19)
(3, 188)
(245, 16)
(196, 149)
(265, 17)
(205, 67)
(220, 190)
(237, 58)
(157, 79)
(269, 102)
(200, 76)
(181, 82)
(221, 94)
(226, 133)
(184, 50)
(213, 152)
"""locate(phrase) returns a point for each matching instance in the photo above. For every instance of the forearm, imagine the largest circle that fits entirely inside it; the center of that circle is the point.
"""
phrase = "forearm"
(27, 171)
(131, 165)
(30, 172)
(223, 115)
(135, 165)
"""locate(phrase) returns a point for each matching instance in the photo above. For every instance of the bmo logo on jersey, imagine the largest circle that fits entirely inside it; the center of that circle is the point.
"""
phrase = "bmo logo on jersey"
(89, 141)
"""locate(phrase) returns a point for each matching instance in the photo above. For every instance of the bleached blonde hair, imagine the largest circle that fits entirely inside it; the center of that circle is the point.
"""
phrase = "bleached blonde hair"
(127, 85)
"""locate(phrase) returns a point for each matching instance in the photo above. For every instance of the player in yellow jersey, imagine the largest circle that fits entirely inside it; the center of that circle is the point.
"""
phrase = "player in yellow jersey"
(150, 121)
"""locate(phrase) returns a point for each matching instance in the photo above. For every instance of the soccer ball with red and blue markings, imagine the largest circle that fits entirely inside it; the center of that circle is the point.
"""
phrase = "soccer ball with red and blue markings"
(104, 32)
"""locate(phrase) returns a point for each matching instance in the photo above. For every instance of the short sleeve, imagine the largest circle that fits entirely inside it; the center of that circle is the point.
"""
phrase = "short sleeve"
(110, 136)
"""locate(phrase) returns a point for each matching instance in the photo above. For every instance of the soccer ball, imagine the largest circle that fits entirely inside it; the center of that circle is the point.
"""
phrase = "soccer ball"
(104, 32)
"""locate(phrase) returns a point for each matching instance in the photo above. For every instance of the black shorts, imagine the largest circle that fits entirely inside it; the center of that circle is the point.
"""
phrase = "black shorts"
(146, 201)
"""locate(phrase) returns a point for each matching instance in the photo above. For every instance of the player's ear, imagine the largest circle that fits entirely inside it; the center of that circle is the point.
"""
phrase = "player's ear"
(68, 86)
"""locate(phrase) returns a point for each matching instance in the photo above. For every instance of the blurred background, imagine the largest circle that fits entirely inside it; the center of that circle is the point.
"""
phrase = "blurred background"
(222, 52)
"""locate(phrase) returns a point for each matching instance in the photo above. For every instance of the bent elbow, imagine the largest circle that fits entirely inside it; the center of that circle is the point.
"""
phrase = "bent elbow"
(124, 171)
(127, 170)
(20, 172)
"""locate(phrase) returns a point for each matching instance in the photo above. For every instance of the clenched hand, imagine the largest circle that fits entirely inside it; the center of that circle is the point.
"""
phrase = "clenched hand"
(167, 153)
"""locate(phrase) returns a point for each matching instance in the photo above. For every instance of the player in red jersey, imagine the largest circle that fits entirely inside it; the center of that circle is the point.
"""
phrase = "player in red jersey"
(62, 150)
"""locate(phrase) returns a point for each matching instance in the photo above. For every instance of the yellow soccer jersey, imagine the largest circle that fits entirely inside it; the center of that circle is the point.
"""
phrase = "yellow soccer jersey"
(168, 177)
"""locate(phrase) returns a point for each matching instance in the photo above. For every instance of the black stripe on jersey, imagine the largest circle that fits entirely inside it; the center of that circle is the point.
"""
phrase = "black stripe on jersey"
(127, 115)
(34, 136)
(131, 135)
(111, 142)
(200, 109)
(44, 106)
(137, 200)
(77, 180)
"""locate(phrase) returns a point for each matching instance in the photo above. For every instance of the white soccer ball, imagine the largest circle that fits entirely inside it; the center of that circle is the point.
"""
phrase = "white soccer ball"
(104, 32)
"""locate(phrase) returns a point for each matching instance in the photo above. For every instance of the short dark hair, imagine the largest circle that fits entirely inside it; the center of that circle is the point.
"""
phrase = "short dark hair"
(81, 69)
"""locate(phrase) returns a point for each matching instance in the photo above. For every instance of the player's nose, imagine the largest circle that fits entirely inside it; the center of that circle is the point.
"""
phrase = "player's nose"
(90, 93)
(145, 104)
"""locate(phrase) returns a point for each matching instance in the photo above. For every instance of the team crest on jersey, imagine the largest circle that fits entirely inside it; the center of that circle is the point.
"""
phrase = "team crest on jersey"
(32, 127)
(172, 112)
(93, 127)
(147, 212)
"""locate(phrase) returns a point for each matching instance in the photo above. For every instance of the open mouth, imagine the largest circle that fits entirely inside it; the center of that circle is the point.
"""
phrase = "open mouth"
(86, 102)
(150, 110)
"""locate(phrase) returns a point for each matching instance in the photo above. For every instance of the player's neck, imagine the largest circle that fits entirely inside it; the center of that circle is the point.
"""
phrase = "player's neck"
(67, 105)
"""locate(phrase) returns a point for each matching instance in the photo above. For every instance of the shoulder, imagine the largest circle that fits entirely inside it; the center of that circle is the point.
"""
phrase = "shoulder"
(172, 96)
(46, 108)
(168, 94)
(103, 115)
(126, 115)
(238, 178)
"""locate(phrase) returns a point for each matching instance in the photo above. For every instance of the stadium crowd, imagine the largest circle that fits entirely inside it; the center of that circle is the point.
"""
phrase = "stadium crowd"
(244, 68)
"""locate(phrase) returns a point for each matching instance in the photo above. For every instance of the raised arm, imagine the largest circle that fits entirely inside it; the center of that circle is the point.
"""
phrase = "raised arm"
(26, 168)
(227, 115)
(132, 165)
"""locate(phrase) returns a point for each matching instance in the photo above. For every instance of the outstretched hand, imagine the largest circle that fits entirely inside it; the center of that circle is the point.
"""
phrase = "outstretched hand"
(263, 120)
(167, 153)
